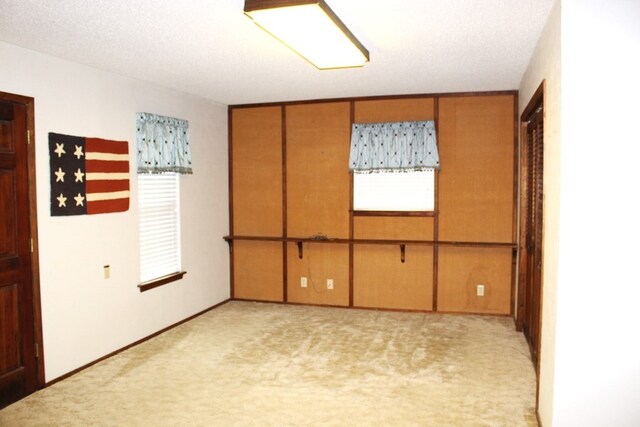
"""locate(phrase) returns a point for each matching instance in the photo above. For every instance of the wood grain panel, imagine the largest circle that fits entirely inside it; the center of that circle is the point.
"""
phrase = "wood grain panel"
(394, 110)
(460, 270)
(258, 270)
(257, 171)
(320, 261)
(381, 280)
(394, 228)
(9, 328)
(318, 138)
(8, 238)
(476, 185)
(6, 141)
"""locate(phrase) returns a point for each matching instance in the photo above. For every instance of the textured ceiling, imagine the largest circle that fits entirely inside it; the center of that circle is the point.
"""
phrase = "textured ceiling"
(209, 48)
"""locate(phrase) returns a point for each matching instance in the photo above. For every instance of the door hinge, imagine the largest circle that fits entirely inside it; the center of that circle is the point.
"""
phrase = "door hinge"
(31, 244)
(28, 137)
(37, 350)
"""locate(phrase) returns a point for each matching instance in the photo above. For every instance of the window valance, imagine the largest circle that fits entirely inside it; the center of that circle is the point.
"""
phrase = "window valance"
(163, 144)
(394, 146)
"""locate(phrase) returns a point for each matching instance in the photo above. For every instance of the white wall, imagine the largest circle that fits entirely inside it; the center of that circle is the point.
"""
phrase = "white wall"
(590, 371)
(545, 65)
(84, 315)
(597, 357)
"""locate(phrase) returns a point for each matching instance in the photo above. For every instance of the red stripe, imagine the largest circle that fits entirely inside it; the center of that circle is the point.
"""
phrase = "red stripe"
(106, 206)
(106, 166)
(107, 186)
(105, 146)
(97, 145)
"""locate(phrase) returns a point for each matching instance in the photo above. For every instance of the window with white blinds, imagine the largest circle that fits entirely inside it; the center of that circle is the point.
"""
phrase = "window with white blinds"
(394, 191)
(159, 228)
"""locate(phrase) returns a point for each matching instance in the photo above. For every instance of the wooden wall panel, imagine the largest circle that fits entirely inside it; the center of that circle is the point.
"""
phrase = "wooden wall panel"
(393, 228)
(394, 110)
(475, 203)
(476, 186)
(460, 270)
(320, 261)
(382, 281)
(318, 137)
(257, 171)
(258, 270)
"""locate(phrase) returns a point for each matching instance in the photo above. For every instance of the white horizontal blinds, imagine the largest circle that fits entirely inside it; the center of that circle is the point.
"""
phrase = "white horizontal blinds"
(159, 213)
(399, 191)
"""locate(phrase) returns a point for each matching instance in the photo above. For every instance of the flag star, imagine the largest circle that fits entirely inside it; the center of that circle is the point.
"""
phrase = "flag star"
(59, 150)
(79, 200)
(62, 201)
(79, 174)
(59, 175)
(78, 153)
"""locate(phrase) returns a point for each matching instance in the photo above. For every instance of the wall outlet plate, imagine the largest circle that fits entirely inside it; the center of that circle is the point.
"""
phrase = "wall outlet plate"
(303, 282)
(329, 283)
(107, 271)
(480, 290)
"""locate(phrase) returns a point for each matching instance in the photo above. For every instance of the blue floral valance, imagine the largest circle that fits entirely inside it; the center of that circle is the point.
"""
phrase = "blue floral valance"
(397, 146)
(163, 144)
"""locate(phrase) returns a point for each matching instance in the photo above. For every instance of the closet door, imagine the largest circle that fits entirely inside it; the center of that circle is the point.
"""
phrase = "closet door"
(531, 250)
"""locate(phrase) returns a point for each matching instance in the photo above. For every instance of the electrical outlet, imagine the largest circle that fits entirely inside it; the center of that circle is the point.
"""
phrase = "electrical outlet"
(329, 283)
(480, 290)
(303, 282)
(107, 271)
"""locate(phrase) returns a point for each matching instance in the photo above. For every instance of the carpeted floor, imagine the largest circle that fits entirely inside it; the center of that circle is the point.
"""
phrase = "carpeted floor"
(252, 364)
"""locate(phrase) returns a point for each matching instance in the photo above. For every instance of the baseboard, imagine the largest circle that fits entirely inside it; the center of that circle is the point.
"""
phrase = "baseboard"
(140, 341)
(355, 307)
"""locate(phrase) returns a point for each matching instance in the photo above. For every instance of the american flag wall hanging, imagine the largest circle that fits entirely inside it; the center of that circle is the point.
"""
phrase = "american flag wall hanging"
(88, 175)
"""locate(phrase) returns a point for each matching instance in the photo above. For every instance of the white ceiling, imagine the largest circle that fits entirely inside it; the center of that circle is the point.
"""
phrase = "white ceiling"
(209, 48)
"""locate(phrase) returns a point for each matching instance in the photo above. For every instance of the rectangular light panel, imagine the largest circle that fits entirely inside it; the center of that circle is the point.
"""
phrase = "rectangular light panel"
(312, 30)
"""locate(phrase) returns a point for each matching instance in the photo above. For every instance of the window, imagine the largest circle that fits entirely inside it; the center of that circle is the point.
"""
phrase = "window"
(394, 191)
(159, 228)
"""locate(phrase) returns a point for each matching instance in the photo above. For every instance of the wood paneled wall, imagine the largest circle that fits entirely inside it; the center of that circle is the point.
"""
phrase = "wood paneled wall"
(257, 179)
(290, 180)
(318, 138)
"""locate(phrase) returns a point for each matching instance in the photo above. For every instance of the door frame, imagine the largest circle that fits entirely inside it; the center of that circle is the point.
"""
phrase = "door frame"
(28, 102)
(537, 100)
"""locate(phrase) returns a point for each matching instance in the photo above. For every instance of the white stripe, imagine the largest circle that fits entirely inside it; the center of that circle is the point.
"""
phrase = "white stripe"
(107, 156)
(95, 176)
(92, 197)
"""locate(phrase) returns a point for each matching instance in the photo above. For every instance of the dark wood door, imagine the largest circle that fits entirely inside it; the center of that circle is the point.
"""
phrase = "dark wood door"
(531, 222)
(18, 358)
(533, 279)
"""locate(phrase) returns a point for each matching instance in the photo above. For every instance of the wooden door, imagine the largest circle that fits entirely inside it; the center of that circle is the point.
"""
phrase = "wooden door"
(530, 277)
(19, 307)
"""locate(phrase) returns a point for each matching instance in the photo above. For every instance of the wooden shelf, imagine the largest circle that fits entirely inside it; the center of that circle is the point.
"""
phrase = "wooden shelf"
(332, 240)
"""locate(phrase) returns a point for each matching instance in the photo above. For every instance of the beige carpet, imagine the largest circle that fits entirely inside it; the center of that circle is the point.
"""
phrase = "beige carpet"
(252, 364)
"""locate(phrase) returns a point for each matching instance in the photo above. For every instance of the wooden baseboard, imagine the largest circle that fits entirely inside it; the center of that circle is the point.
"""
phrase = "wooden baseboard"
(140, 341)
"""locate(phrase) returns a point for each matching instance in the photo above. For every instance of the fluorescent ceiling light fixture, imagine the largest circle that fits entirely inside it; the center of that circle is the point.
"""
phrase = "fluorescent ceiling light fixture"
(311, 29)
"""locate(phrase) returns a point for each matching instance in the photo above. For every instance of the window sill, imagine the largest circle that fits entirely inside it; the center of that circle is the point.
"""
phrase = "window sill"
(150, 284)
